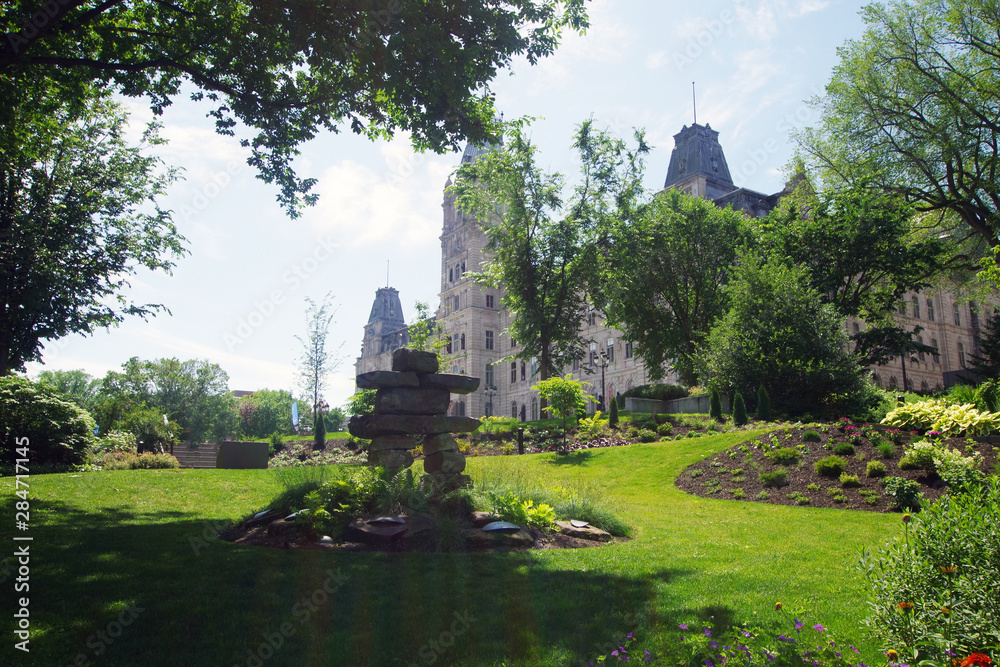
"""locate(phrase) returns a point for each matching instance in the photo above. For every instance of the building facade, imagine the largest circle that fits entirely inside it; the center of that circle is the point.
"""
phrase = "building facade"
(476, 326)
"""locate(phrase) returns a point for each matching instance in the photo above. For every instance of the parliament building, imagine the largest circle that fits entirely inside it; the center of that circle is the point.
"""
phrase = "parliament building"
(471, 317)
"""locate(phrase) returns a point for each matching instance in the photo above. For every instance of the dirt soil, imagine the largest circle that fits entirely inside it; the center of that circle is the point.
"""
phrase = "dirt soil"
(740, 467)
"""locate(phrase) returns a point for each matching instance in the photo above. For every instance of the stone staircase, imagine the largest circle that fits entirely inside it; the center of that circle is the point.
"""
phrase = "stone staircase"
(203, 456)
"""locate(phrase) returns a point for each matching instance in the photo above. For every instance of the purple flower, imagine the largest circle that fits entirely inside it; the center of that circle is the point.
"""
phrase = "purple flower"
(854, 649)
(818, 628)
(708, 633)
(709, 663)
(713, 644)
(798, 625)
(745, 633)
(683, 627)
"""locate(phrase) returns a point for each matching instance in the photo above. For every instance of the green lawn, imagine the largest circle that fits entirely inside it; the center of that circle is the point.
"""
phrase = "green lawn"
(105, 541)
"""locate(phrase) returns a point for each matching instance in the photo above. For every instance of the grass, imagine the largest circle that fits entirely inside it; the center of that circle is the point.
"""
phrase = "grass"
(104, 541)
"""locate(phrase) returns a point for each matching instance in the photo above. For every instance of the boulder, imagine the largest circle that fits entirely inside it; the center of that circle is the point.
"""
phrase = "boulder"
(480, 539)
(391, 459)
(392, 442)
(584, 533)
(407, 401)
(443, 442)
(371, 426)
(386, 380)
(405, 359)
(444, 462)
(455, 384)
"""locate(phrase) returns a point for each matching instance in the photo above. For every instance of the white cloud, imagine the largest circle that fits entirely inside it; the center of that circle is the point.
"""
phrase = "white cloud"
(656, 60)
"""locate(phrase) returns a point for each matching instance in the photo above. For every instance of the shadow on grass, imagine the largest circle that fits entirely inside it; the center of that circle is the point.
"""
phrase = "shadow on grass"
(577, 458)
(162, 590)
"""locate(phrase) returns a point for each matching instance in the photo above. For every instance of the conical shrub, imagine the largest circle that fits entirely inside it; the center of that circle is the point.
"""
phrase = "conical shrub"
(739, 410)
(763, 404)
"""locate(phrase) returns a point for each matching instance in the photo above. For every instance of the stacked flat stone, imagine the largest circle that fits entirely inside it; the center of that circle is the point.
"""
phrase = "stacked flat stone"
(412, 400)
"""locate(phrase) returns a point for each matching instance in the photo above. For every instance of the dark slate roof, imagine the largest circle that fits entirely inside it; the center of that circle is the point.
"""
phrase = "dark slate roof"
(697, 151)
(387, 308)
(473, 151)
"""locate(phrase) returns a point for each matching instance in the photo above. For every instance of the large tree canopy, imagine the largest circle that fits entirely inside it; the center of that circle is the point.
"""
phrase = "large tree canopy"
(288, 70)
(915, 104)
(78, 215)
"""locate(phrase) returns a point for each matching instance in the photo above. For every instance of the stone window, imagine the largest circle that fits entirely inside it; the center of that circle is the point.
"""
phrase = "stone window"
(593, 353)
(463, 341)
(513, 343)
(916, 307)
(628, 349)
(857, 328)
(930, 310)
(576, 363)
(513, 409)
(460, 409)
(611, 350)
(489, 339)
(523, 377)
(451, 275)
(458, 272)
(920, 341)
(534, 408)
(902, 308)
(489, 302)
(937, 357)
(958, 314)
(489, 375)
(447, 347)
(961, 355)
(591, 318)
(513, 373)
(455, 303)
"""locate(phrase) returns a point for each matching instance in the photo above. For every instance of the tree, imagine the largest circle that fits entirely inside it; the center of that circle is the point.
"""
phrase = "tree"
(290, 70)
(739, 410)
(564, 396)
(913, 108)
(986, 360)
(714, 404)
(35, 416)
(316, 362)
(78, 215)
(613, 415)
(263, 412)
(542, 252)
(76, 386)
(778, 334)
(663, 276)
(319, 431)
(763, 404)
(194, 393)
(361, 402)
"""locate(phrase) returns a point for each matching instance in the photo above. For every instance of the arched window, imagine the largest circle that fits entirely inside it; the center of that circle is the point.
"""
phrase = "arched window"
(958, 314)
(893, 383)
(961, 355)
(916, 307)
(513, 373)
(924, 387)
(534, 408)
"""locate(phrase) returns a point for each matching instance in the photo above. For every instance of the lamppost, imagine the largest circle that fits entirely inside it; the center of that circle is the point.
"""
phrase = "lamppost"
(603, 359)
(489, 391)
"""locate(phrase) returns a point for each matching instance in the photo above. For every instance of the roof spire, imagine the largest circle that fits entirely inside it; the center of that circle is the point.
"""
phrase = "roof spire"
(694, 103)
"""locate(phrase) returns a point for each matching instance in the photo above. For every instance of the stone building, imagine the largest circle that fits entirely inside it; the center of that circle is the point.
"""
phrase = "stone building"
(471, 317)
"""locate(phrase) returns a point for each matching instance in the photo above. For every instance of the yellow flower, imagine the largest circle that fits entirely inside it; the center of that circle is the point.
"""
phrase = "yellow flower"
(891, 654)
(945, 611)
(948, 569)
(906, 518)
(777, 606)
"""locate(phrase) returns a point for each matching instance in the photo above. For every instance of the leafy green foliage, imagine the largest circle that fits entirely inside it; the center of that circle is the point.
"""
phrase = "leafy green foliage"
(663, 277)
(850, 481)
(264, 412)
(784, 455)
(776, 478)
(939, 414)
(778, 334)
(763, 404)
(886, 449)
(543, 253)
(830, 466)
(715, 405)
(905, 493)
(564, 395)
(34, 415)
(511, 508)
(657, 392)
(843, 448)
(289, 73)
(812, 436)
(875, 469)
(143, 461)
(613, 416)
(739, 410)
(77, 386)
(78, 214)
(317, 360)
(194, 394)
(361, 402)
(319, 432)
(932, 595)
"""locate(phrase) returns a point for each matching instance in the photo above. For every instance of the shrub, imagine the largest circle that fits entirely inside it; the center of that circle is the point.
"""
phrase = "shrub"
(798, 498)
(56, 431)
(784, 455)
(613, 415)
(657, 392)
(905, 493)
(843, 448)
(645, 435)
(812, 436)
(886, 449)
(875, 469)
(763, 404)
(763, 495)
(958, 471)
(776, 479)
(146, 460)
(593, 427)
(115, 441)
(919, 456)
(739, 410)
(849, 481)
(831, 466)
(664, 430)
(276, 443)
(738, 493)
(934, 592)
(714, 405)
(937, 414)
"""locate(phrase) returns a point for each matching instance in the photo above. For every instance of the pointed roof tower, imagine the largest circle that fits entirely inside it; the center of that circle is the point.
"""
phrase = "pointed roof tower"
(697, 163)
(387, 309)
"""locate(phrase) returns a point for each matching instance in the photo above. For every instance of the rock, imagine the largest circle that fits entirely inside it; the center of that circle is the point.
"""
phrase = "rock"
(326, 539)
(391, 458)
(392, 442)
(455, 384)
(585, 533)
(360, 531)
(282, 528)
(266, 516)
(386, 380)
(443, 442)
(478, 538)
(405, 359)
(444, 462)
(480, 519)
(406, 401)
(371, 426)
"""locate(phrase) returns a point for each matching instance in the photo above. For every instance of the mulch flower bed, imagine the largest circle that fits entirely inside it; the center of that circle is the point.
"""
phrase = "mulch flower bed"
(736, 473)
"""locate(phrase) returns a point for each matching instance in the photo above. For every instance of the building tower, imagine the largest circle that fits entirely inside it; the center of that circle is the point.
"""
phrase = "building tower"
(386, 331)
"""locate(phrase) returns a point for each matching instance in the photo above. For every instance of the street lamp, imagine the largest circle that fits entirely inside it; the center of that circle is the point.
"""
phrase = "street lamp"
(603, 359)
(490, 391)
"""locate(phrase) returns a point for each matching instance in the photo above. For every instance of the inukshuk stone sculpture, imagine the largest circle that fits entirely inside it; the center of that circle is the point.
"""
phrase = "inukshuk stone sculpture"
(412, 400)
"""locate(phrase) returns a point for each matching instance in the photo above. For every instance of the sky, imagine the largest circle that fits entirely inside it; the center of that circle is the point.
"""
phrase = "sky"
(238, 299)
